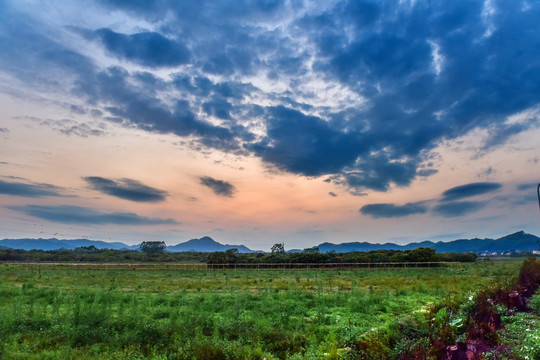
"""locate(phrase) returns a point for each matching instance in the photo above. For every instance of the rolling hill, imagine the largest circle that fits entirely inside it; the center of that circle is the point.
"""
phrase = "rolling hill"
(517, 242)
(206, 244)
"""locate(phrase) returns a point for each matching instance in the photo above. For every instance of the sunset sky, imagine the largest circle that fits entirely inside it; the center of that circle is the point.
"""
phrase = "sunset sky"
(257, 122)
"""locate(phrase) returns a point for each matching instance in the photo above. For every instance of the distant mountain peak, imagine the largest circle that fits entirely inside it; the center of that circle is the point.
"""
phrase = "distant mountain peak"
(204, 240)
(206, 244)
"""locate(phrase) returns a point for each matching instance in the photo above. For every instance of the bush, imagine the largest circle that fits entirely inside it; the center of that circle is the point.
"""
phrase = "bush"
(529, 274)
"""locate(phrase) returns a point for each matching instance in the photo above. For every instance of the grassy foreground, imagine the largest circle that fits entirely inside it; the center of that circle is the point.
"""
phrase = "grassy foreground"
(98, 313)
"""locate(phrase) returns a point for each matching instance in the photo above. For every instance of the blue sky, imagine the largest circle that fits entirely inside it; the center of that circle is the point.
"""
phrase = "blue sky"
(258, 122)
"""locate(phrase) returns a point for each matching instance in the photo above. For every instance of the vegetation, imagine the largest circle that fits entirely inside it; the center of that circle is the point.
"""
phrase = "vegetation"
(153, 247)
(153, 251)
(494, 323)
(278, 248)
(313, 257)
(91, 254)
(70, 311)
(521, 337)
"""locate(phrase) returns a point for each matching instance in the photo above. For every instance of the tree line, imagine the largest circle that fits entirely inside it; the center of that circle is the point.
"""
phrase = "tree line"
(155, 252)
(90, 254)
(309, 257)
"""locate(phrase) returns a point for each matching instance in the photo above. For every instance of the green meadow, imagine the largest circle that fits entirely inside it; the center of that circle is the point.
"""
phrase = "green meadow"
(100, 312)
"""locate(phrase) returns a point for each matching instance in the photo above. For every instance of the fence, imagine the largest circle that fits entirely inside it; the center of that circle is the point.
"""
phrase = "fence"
(243, 266)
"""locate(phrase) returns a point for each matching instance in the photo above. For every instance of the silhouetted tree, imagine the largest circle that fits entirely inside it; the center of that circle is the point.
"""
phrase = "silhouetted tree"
(278, 248)
(229, 256)
(153, 247)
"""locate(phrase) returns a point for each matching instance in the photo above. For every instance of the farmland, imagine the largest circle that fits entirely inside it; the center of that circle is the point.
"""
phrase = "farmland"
(100, 312)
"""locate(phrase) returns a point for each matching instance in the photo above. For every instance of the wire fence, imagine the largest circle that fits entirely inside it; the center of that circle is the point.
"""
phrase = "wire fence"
(242, 266)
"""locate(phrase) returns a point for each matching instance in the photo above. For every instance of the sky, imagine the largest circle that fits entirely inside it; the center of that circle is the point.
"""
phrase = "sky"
(258, 122)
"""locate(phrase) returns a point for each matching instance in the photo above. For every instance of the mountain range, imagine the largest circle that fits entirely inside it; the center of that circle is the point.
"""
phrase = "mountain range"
(519, 241)
(204, 244)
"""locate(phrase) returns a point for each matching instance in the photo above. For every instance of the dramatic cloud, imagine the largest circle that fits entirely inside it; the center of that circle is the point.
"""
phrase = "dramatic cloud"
(146, 48)
(358, 91)
(140, 107)
(378, 172)
(87, 216)
(306, 145)
(391, 211)
(28, 190)
(126, 189)
(219, 187)
(469, 190)
(458, 208)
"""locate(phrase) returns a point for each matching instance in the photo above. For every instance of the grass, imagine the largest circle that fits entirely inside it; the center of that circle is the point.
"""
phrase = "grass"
(67, 312)
(521, 337)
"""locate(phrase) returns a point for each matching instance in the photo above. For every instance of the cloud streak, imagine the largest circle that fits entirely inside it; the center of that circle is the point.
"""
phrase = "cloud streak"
(219, 187)
(450, 205)
(458, 208)
(67, 214)
(32, 190)
(470, 190)
(386, 210)
(127, 189)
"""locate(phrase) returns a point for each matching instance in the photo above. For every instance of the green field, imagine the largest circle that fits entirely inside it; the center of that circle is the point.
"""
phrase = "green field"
(98, 312)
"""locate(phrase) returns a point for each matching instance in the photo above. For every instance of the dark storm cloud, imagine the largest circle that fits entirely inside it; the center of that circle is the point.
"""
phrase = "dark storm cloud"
(458, 208)
(218, 107)
(417, 74)
(479, 80)
(378, 172)
(391, 211)
(146, 48)
(204, 87)
(306, 145)
(126, 189)
(87, 216)
(469, 190)
(31, 190)
(219, 187)
(139, 108)
(225, 38)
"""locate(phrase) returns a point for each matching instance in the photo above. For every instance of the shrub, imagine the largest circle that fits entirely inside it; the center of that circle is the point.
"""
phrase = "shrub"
(529, 274)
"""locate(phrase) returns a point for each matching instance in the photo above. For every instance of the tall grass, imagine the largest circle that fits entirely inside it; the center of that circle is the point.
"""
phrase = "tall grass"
(98, 313)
